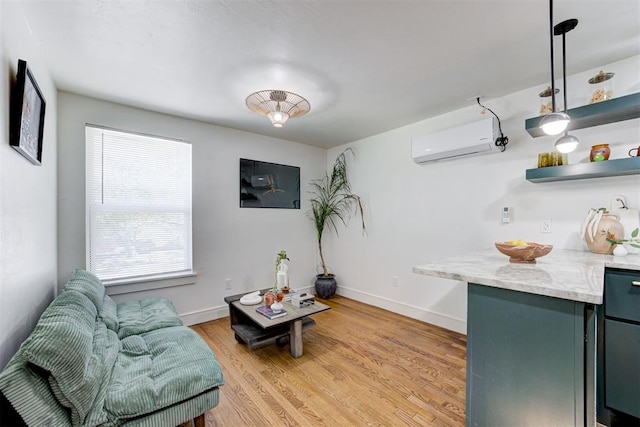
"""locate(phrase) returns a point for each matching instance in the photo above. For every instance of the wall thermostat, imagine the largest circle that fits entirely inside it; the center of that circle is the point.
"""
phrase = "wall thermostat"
(506, 215)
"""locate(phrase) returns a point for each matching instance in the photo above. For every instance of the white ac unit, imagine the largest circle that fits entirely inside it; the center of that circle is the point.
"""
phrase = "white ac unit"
(465, 140)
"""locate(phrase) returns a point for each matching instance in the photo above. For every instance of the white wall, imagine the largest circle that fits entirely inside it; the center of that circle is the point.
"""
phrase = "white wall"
(27, 196)
(422, 213)
(228, 242)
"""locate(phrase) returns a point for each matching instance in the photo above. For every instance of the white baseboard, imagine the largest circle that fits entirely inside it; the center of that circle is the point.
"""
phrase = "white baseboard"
(418, 313)
(213, 313)
(438, 319)
(201, 316)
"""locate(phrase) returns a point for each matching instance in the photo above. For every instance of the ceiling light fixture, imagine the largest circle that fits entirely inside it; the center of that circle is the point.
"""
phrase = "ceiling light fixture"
(554, 122)
(566, 143)
(278, 105)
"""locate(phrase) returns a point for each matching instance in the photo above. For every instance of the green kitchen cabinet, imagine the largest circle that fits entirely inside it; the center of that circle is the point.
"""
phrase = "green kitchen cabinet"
(619, 354)
(525, 358)
(622, 367)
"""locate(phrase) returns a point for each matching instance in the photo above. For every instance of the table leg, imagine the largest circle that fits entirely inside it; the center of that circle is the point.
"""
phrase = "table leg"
(295, 338)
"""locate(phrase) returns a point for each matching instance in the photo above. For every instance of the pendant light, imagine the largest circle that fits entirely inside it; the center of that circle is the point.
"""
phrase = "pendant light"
(566, 143)
(554, 122)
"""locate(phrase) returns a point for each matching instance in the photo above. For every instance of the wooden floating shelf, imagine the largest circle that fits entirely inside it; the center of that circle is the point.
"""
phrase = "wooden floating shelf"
(601, 113)
(615, 167)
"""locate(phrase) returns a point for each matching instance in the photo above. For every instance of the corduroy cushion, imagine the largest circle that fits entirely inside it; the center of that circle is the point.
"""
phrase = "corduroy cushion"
(27, 388)
(87, 284)
(75, 349)
(138, 317)
(109, 313)
(96, 376)
(158, 369)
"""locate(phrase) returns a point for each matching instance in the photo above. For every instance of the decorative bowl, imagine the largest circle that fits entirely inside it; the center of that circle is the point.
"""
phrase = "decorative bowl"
(523, 253)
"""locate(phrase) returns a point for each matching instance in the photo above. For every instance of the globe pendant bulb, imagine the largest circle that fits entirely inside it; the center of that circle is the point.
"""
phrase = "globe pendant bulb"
(554, 123)
(567, 143)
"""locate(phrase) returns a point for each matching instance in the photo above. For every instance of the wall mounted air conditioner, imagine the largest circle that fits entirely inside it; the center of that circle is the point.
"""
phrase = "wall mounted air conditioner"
(465, 140)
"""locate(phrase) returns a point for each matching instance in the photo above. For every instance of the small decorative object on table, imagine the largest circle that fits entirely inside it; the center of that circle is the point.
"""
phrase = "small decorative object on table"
(276, 307)
(281, 274)
(289, 295)
(523, 252)
(302, 300)
(252, 298)
(269, 298)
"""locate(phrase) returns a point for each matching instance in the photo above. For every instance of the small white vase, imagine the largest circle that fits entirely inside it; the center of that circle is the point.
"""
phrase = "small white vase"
(619, 250)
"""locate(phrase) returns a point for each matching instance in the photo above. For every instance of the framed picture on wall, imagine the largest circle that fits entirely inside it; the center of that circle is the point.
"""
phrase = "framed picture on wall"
(269, 185)
(27, 115)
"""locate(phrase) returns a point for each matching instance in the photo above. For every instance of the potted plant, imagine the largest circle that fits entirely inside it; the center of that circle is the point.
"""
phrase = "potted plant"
(332, 201)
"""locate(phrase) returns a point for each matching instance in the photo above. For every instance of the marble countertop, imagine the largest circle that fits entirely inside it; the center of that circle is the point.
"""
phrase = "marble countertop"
(568, 274)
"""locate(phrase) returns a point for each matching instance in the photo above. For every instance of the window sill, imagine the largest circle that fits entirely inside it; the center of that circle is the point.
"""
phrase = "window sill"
(126, 286)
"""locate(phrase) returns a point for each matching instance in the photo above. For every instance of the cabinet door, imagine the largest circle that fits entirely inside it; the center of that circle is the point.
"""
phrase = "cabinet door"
(621, 296)
(622, 366)
(525, 359)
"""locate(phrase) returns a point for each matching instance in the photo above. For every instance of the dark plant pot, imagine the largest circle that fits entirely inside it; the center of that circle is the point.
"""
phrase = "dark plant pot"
(326, 286)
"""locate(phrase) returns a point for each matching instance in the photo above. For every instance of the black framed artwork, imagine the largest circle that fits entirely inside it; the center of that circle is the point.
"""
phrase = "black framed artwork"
(269, 185)
(27, 115)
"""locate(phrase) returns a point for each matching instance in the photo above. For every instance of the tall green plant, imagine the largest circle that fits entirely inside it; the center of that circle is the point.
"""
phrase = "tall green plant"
(333, 201)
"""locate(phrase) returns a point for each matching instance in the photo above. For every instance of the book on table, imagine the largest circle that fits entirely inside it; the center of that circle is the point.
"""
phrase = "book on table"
(266, 311)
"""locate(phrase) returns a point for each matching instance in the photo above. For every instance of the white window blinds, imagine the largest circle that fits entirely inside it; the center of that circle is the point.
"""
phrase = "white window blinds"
(138, 201)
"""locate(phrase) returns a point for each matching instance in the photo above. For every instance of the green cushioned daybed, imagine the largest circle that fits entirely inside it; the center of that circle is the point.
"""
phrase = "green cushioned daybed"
(90, 362)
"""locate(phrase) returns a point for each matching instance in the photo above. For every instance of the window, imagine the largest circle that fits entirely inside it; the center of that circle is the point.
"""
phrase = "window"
(138, 201)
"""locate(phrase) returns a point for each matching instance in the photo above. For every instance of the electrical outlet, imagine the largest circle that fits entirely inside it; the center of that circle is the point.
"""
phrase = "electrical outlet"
(545, 226)
(394, 281)
(227, 284)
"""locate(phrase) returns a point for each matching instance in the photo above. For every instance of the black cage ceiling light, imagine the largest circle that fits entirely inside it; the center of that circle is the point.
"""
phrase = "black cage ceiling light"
(278, 105)
(554, 122)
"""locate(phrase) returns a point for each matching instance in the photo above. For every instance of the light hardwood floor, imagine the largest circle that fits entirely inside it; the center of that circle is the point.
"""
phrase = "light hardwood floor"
(361, 366)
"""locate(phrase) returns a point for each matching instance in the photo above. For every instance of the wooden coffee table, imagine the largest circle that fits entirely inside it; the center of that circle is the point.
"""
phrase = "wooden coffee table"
(256, 330)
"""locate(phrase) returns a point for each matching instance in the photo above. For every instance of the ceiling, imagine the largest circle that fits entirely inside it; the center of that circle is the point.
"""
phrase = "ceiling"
(365, 66)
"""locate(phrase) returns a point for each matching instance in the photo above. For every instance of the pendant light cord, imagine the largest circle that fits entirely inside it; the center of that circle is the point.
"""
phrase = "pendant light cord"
(553, 79)
(502, 140)
(564, 69)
